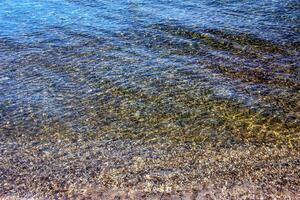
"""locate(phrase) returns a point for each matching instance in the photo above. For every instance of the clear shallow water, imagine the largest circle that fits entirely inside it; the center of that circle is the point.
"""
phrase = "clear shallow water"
(198, 71)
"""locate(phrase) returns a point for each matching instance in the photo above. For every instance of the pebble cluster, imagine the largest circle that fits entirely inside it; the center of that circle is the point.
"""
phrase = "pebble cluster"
(114, 168)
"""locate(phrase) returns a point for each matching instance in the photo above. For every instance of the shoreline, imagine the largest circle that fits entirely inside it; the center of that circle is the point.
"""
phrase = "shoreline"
(89, 169)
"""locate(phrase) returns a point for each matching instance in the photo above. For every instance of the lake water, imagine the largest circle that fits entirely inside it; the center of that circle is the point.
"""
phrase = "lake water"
(201, 71)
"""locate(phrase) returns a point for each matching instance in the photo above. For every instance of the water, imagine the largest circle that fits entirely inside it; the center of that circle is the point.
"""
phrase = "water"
(209, 71)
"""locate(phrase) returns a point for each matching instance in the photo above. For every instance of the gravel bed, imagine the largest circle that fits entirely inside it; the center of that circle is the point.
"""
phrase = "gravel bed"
(116, 168)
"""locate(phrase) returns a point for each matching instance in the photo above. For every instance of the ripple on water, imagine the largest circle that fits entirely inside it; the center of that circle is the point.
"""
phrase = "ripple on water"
(138, 69)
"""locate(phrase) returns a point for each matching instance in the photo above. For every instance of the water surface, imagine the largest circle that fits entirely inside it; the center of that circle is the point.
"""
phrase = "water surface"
(204, 71)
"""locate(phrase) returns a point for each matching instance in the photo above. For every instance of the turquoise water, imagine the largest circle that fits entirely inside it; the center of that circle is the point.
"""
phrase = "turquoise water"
(188, 69)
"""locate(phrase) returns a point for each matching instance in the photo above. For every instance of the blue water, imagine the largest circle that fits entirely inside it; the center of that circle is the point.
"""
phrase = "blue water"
(142, 67)
(274, 20)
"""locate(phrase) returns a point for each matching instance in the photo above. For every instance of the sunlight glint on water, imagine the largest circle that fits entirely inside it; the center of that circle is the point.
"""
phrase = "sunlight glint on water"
(208, 71)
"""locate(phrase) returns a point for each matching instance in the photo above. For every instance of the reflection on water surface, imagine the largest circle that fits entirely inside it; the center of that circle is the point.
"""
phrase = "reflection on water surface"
(221, 73)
